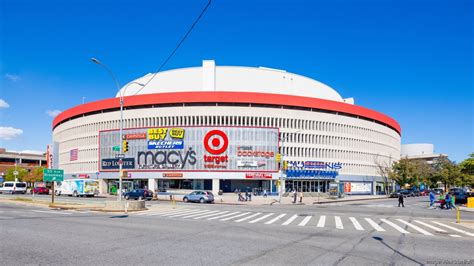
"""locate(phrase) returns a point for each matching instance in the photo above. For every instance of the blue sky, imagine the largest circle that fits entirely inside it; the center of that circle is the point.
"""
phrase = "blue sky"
(412, 60)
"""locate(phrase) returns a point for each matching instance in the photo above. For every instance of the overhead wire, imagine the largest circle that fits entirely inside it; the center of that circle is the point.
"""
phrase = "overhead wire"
(177, 46)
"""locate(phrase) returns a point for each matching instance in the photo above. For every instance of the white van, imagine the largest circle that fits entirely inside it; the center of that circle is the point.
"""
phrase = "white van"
(13, 187)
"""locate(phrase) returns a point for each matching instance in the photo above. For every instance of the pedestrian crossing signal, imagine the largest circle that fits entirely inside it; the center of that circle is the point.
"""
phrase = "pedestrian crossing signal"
(125, 146)
(278, 157)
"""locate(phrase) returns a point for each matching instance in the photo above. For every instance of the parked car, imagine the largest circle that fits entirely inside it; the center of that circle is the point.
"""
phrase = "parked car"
(438, 191)
(13, 187)
(425, 193)
(414, 192)
(199, 196)
(40, 190)
(139, 194)
(460, 196)
(404, 192)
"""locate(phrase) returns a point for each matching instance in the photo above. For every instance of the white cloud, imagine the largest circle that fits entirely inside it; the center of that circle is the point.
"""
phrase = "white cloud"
(7, 133)
(53, 113)
(3, 104)
(12, 77)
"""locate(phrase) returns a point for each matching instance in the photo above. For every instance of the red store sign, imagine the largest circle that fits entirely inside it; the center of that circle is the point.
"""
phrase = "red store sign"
(258, 176)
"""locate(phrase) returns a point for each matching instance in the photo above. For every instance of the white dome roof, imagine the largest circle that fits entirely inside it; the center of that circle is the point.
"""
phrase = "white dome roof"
(210, 77)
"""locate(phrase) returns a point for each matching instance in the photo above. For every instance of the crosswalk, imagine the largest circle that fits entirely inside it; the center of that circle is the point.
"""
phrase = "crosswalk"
(337, 222)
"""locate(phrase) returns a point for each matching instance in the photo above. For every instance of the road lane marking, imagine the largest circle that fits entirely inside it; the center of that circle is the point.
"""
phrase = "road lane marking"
(248, 217)
(210, 214)
(398, 228)
(454, 228)
(338, 221)
(375, 225)
(305, 220)
(235, 216)
(322, 221)
(176, 212)
(261, 218)
(437, 229)
(276, 218)
(222, 216)
(426, 233)
(356, 224)
(198, 214)
(160, 212)
(289, 221)
(454, 235)
(185, 213)
(55, 212)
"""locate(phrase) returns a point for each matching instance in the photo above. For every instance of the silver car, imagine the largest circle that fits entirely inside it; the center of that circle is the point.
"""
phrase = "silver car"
(199, 196)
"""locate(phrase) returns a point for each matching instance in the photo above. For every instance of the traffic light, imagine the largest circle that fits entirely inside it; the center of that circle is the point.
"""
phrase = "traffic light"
(278, 157)
(125, 146)
(285, 165)
(278, 183)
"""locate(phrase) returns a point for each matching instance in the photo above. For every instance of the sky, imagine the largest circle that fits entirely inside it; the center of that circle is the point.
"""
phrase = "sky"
(409, 59)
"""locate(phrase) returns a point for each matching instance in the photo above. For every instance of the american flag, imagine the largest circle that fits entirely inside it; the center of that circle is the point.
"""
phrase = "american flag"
(73, 154)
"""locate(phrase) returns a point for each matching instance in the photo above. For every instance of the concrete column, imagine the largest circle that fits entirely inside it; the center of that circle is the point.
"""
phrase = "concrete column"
(102, 186)
(152, 184)
(374, 188)
(215, 186)
(283, 186)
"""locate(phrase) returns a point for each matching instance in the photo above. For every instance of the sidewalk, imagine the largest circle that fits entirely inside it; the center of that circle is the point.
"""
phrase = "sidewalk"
(231, 199)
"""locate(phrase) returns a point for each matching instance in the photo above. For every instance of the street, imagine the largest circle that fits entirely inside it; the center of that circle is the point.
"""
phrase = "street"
(370, 232)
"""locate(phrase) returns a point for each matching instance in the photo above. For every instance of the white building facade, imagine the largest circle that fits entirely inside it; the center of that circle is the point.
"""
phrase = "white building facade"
(321, 137)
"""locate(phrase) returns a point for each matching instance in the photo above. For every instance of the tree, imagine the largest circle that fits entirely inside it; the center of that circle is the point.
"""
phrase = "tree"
(403, 172)
(467, 169)
(423, 173)
(35, 175)
(384, 169)
(22, 172)
(447, 172)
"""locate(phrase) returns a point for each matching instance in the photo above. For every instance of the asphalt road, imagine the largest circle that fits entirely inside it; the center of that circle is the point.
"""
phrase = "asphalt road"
(213, 234)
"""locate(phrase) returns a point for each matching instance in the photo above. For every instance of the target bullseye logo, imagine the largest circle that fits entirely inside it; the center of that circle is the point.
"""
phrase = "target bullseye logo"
(216, 142)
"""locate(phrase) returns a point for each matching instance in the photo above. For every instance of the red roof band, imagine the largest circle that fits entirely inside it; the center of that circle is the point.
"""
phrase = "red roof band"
(227, 97)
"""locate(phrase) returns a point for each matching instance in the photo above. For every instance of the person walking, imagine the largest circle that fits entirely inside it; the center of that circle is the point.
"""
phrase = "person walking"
(453, 202)
(294, 195)
(400, 200)
(301, 196)
(264, 193)
(447, 200)
(432, 199)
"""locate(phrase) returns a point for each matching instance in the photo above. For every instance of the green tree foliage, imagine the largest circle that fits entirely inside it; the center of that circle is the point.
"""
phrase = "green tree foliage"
(447, 172)
(404, 172)
(467, 169)
(22, 172)
(35, 175)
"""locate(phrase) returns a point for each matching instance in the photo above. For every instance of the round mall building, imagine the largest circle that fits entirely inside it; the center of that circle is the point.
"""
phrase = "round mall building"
(226, 128)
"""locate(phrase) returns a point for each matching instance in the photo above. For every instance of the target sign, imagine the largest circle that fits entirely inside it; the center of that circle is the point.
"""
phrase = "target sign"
(216, 142)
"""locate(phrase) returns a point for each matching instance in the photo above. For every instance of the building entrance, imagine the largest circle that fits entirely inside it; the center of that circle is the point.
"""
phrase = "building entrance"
(307, 185)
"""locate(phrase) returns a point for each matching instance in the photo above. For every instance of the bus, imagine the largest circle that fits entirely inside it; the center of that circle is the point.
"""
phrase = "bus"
(77, 187)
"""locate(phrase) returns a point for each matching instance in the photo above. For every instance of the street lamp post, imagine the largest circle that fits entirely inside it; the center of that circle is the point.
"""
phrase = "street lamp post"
(121, 119)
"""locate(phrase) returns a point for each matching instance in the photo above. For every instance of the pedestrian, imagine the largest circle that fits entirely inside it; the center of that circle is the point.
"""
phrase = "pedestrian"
(250, 196)
(447, 200)
(453, 202)
(246, 195)
(432, 199)
(264, 193)
(400, 200)
(301, 196)
(294, 195)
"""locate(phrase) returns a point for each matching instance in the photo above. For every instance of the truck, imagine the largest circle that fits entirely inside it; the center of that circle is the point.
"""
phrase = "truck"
(77, 187)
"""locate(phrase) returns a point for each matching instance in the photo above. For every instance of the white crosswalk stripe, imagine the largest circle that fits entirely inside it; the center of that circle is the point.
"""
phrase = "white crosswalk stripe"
(289, 221)
(322, 221)
(248, 217)
(437, 229)
(185, 213)
(398, 228)
(55, 212)
(171, 214)
(454, 229)
(235, 216)
(210, 214)
(222, 216)
(276, 218)
(305, 220)
(338, 222)
(375, 225)
(194, 215)
(159, 212)
(454, 235)
(356, 224)
(261, 218)
(426, 233)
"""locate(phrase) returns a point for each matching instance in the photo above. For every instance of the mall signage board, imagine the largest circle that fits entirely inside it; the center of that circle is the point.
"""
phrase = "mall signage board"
(244, 149)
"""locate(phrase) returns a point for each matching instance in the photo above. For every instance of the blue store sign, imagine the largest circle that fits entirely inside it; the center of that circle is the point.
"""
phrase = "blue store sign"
(311, 174)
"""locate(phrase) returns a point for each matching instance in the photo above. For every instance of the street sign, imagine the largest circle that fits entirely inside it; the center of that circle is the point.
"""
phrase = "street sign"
(15, 172)
(51, 175)
(116, 148)
(120, 156)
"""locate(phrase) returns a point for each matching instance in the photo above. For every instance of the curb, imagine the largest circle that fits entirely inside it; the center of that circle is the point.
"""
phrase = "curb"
(349, 200)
